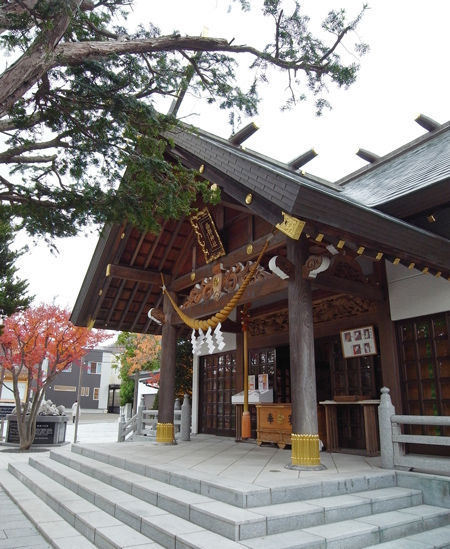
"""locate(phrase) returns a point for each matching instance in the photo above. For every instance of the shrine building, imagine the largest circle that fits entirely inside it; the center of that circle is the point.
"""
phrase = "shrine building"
(316, 294)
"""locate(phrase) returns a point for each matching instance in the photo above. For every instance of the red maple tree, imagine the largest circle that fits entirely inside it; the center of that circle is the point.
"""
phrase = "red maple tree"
(36, 345)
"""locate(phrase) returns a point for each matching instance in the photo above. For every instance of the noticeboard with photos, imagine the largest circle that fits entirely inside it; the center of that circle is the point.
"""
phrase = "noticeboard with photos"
(358, 342)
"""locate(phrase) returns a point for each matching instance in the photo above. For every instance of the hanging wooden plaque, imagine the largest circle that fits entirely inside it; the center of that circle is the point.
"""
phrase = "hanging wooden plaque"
(207, 236)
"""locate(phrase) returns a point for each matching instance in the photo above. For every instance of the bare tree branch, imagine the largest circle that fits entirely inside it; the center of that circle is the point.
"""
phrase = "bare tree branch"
(33, 146)
(30, 68)
(8, 124)
(28, 159)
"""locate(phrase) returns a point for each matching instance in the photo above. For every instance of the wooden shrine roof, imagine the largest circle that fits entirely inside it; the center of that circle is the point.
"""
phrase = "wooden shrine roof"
(413, 178)
(123, 279)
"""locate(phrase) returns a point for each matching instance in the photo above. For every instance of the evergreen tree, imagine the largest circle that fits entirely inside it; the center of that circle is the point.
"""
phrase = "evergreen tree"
(77, 105)
(13, 291)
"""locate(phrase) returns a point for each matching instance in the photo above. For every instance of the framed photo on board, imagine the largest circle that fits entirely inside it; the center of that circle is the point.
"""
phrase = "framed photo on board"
(358, 342)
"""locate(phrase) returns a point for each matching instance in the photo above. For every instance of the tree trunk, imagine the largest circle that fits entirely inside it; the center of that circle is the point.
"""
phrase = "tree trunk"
(28, 69)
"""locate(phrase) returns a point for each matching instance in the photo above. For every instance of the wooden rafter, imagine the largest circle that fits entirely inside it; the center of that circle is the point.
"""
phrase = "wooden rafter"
(134, 274)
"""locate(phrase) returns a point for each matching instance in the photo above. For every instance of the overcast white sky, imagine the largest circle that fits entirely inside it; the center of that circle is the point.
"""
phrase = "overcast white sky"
(405, 73)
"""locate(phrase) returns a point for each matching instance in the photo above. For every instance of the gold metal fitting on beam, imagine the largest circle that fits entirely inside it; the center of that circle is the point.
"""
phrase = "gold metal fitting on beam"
(396, 261)
(249, 198)
(192, 277)
(411, 265)
(305, 450)
(340, 244)
(360, 250)
(431, 219)
(425, 270)
(291, 226)
(438, 274)
(379, 256)
(249, 249)
(165, 433)
(319, 237)
(201, 169)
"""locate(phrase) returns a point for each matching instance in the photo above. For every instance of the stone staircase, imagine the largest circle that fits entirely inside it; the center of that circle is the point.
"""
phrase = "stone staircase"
(88, 498)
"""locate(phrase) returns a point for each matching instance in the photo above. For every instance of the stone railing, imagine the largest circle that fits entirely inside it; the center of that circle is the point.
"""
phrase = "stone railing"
(2, 428)
(392, 440)
(144, 422)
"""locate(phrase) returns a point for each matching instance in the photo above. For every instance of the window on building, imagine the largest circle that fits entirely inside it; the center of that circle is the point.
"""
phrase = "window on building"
(94, 367)
(96, 392)
(424, 353)
(68, 368)
(84, 391)
(68, 388)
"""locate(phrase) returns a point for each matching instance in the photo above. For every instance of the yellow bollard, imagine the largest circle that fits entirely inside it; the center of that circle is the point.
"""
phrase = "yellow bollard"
(165, 433)
(305, 450)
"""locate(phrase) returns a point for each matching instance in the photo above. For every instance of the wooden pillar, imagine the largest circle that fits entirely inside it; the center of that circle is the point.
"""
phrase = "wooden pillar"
(305, 437)
(165, 429)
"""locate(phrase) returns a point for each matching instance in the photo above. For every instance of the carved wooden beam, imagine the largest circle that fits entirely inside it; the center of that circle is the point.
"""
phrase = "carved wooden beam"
(229, 260)
(341, 285)
(255, 290)
(133, 273)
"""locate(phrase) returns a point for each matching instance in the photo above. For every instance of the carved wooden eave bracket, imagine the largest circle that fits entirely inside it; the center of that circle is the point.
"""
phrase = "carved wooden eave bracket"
(221, 283)
(282, 267)
(157, 316)
(324, 310)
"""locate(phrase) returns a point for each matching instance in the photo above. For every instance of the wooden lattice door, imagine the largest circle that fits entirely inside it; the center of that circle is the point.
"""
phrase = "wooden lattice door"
(217, 385)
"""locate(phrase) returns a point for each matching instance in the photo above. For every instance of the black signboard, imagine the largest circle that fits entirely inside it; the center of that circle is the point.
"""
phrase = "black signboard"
(45, 432)
(6, 409)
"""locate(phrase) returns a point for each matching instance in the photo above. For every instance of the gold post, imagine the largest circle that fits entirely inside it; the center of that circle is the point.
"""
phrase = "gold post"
(246, 428)
(305, 450)
(165, 433)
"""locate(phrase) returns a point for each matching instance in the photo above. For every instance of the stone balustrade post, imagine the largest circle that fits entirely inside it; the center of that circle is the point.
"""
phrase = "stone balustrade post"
(185, 433)
(385, 411)
(140, 416)
(120, 434)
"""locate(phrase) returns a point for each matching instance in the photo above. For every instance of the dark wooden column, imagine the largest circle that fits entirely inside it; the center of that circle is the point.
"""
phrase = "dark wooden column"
(305, 438)
(166, 396)
(301, 342)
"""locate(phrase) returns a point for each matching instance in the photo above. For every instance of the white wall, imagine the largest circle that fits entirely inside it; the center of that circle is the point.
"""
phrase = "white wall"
(108, 376)
(413, 294)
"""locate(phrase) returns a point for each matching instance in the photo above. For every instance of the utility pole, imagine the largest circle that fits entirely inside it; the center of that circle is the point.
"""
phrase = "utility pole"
(78, 403)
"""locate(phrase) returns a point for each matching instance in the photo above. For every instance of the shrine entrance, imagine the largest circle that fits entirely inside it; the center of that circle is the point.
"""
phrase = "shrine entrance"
(217, 415)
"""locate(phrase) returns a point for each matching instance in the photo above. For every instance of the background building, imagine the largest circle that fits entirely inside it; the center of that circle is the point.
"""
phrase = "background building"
(100, 383)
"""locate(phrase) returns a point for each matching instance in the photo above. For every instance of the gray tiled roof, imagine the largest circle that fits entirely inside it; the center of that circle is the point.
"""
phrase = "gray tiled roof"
(415, 166)
(271, 179)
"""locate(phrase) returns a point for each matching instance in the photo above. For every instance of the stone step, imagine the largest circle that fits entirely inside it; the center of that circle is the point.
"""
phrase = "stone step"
(46, 521)
(113, 531)
(438, 538)
(420, 521)
(242, 494)
(109, 514)
(125, 494)
(226, 520)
